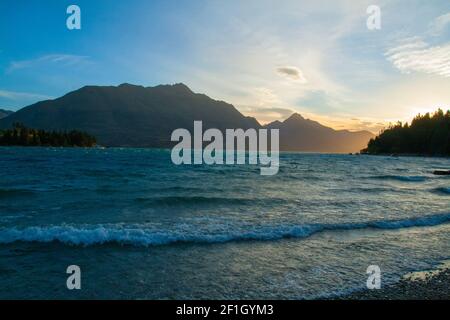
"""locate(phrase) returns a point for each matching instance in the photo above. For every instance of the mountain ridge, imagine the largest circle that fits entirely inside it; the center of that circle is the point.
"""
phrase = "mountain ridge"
(131, 115)
(300, 134)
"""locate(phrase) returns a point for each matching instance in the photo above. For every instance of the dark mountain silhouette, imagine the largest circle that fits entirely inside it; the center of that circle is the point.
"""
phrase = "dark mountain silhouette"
(130, 115)
(4, 113)
(136, 116)
(298, 133)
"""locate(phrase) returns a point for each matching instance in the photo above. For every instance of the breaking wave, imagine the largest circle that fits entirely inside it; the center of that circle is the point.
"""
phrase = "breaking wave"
(135, 236)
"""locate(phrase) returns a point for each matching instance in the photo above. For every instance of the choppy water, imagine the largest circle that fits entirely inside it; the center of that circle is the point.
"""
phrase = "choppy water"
(141, 227)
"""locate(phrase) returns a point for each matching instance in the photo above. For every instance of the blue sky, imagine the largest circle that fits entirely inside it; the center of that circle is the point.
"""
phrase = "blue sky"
(268, 58)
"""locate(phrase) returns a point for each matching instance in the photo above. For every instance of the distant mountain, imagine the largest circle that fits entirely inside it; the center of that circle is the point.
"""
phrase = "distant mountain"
(129, 115)
(136, 116)
(4, 113)
(298, 133)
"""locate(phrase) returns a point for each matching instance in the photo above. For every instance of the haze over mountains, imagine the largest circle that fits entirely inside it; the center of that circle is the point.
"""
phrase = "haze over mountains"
(300, 134)
(4, 113)
(137, 116)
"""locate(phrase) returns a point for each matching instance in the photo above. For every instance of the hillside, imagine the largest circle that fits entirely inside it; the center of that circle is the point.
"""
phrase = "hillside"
(298, 133)
(426, 135)
(137, 116)
(129, 115)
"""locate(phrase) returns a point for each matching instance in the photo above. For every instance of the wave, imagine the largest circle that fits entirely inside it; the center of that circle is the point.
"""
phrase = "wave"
(371, 190)
(177, 200)
(402, 178)
(202, 200)
(445, 190)
(135, 236)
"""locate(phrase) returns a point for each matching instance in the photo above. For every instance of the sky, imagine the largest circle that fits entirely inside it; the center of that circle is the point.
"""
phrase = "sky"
(268, 58)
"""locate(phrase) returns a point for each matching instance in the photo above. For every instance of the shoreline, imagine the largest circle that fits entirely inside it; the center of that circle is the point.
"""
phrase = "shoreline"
(344, 153)
(422, 285)
(414, 155)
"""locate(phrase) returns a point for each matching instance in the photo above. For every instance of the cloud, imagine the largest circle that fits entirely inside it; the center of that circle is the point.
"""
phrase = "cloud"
(438, 25)
(344, 122)
(13, 95)
(292, 73)
(266, 114)
(265, 97)
(58, 59)
(368, 125)
(418, 56)
(407, 44)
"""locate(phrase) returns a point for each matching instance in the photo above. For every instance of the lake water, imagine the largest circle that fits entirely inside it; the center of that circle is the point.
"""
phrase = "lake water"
(140, 227)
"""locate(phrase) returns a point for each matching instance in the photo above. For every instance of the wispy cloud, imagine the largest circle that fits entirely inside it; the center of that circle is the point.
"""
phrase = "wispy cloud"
(343, 121)
(418, 56)
(368, 125)
(438, 25)
(266, 114)
(292, 73)
(59, 59)
(14, 95)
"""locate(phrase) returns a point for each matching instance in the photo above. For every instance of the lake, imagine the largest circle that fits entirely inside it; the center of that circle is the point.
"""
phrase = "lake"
(140, 227)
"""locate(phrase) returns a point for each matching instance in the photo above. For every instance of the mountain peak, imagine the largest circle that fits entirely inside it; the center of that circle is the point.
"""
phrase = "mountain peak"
(275, 123)
(295, 116)
(181, 87)
(130, 115)
(129, 85)
(177, 87)
(137, 116)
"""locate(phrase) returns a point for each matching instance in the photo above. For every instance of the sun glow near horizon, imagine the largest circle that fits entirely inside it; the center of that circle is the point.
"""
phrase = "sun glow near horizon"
(268, 59)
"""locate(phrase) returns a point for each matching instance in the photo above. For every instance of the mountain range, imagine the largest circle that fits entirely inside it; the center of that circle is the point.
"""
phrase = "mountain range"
(300, 134)
(136, 116)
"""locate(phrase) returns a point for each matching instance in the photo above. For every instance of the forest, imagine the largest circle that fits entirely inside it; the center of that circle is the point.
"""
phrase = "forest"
(428, 134)
(20, 135)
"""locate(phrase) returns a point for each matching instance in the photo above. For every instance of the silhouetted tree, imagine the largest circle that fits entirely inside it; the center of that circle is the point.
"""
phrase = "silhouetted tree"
(20, 135)
(427, 135)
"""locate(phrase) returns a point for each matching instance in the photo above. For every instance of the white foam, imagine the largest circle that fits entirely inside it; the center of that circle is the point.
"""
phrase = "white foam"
(119, 234)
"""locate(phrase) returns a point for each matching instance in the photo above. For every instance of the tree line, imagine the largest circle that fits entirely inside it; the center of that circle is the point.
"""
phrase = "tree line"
(20, 135)
(426, 135)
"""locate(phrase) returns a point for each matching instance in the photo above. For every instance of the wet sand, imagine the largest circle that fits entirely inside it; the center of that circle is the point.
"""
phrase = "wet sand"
(424, 285)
